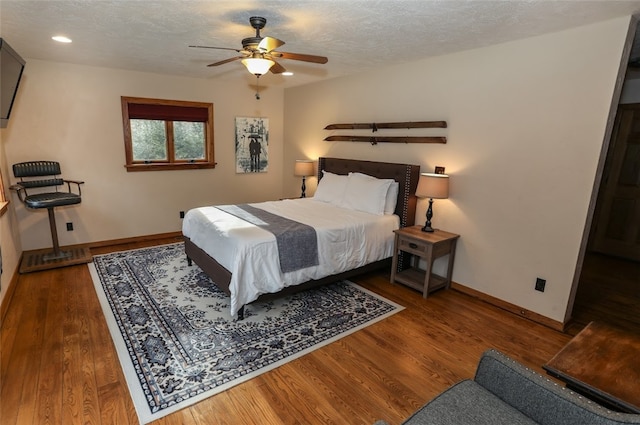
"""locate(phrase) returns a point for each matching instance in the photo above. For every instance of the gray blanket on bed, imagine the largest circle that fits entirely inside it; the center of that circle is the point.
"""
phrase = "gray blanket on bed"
(297, 242)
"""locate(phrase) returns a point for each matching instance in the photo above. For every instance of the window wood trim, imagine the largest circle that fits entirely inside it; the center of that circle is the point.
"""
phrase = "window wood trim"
(4, 201)
(171, 163)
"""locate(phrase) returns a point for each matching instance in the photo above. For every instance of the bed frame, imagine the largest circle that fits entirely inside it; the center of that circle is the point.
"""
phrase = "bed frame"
(405, 174)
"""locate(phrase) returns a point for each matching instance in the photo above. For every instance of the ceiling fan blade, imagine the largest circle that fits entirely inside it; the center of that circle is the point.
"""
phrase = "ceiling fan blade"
(268, 44)
(300, 57)
(276, 68)
(217, 48)
(226, 61)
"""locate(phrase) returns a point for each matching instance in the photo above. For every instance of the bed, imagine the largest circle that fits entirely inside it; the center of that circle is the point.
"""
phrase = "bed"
(219, 258)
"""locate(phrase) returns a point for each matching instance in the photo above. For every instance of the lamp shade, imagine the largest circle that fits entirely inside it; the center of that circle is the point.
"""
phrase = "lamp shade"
(304, 167)
(258, 66)
(433, 186)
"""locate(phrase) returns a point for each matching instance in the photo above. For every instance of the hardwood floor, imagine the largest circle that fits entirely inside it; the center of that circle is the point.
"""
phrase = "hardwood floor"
(608, 291)
(59, 366)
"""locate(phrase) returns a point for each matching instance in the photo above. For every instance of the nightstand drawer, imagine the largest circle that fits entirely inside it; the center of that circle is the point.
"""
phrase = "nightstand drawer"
(412, 246)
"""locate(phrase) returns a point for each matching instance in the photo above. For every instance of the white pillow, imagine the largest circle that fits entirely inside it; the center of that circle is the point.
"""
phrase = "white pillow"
(331, 188)
(366, 194)
(392, 194)
(392, 198)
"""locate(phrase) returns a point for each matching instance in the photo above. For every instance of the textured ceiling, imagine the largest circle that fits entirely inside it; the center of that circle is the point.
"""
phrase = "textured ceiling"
(153, 36)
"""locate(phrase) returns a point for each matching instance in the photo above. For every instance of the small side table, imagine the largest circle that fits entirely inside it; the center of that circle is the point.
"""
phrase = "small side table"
(428, 246)
(601, 363)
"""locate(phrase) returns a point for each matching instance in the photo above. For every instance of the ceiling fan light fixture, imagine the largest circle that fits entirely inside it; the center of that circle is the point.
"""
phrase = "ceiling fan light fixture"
(258, 66)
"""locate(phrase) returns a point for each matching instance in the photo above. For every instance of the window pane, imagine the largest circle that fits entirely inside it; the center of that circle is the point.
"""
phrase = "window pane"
(149, 140)
(167, 134)
(188, 140)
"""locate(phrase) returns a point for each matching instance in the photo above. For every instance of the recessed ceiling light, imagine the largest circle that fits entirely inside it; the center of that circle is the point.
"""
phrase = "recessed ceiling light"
(287, 73)
(61, 39)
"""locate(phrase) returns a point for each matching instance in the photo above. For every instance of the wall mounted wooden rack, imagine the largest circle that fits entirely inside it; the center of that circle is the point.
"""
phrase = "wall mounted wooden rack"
(387, 139)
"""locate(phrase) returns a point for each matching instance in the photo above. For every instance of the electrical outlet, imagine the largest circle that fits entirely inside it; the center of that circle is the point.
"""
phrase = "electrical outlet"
(181, 214)
(69, 227)
(540, 284)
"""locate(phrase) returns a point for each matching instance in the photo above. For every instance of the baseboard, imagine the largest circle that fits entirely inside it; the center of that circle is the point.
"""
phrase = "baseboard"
(538, 318)
(80, 253)
(13, 283)
(522, 312)
(146, 238)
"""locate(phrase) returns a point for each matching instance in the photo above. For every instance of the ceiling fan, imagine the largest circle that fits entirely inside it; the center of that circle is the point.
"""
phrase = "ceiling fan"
(258, 53)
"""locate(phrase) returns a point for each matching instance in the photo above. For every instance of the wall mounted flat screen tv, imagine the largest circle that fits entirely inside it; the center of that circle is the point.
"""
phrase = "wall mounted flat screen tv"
(11, 67)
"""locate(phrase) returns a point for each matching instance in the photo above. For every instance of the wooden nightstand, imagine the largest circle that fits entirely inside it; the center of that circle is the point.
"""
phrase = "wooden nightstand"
(428, 246)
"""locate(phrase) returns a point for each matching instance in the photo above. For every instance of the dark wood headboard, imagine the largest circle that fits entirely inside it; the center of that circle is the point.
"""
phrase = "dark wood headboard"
(405, 174)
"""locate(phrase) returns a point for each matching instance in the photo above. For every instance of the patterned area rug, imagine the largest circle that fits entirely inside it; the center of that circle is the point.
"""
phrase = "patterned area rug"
(175, 338)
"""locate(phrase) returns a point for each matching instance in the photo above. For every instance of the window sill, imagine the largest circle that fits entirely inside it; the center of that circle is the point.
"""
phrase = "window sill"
(167, 167)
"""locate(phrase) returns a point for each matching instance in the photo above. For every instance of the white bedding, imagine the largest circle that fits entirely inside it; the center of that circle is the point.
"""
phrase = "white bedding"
(347, 239)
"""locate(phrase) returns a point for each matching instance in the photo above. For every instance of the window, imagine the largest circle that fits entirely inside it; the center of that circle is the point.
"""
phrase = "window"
(4, 203)
(167, 134)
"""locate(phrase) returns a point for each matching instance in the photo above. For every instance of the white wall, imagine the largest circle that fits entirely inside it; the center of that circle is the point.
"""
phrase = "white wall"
(72, 114)
(526, 124)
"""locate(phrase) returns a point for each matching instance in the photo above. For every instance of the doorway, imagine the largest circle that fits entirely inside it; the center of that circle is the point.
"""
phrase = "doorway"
(615, 230)
(608, 289)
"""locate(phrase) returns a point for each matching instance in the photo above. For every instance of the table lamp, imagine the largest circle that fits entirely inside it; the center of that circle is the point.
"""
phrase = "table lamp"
(432, 186)
(303, 168)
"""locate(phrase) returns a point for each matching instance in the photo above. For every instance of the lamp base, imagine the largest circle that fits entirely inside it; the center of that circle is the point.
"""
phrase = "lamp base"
(427, 226)
(303, 195)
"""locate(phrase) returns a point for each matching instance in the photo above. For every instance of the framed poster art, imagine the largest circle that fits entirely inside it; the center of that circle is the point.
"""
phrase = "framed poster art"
(252, 145)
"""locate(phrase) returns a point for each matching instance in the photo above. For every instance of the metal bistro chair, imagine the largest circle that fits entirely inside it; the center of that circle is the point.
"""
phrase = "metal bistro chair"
(34, 177)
